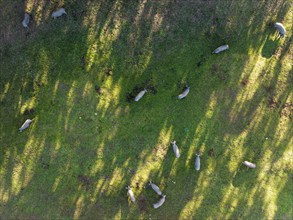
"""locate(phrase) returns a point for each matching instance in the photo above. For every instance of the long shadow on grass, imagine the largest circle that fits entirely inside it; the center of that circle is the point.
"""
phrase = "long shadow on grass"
(87, 142)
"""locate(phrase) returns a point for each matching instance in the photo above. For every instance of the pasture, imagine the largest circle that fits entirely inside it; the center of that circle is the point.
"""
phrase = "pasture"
(77, 75)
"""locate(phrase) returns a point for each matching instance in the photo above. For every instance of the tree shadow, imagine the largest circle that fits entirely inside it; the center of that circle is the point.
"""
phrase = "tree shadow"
(87, 144)
(269, 48)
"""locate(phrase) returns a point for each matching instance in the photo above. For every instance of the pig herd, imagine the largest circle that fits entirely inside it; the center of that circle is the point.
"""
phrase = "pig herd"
(281, 29)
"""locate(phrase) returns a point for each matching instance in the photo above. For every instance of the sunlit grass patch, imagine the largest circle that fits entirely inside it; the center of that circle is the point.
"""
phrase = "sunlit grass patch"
(77, 77)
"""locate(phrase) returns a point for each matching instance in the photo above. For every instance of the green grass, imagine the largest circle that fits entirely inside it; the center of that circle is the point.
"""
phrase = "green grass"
(84, 147)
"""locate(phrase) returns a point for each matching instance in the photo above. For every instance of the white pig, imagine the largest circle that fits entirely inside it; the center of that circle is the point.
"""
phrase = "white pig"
(250, 165)
(280, 27)
(197, 162)
(175, 149)
(221, 48)
(58, 13)
(26, 20)
(140, 95)
(130, 193)
(155, 188)
(25, 125)
(160, 202)
(185, 93)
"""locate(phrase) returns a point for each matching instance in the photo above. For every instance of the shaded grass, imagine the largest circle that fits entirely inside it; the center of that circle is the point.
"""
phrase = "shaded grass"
(84, 147)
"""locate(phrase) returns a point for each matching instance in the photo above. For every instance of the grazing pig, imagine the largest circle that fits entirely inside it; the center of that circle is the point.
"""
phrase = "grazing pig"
(160, 202)
(25, 125)
(26, 20)
(185, 93)
(130, 193)
(155, 188)
(197, 162)
(221, 48)
(250, 165)
(280, 27)
(58, 13)
(140, 95)
(175, 149)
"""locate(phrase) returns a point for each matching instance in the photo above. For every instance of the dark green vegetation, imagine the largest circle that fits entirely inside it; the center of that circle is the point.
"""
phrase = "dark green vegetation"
(74, 76)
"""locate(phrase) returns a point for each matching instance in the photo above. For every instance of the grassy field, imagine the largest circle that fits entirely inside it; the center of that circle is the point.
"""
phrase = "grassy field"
(76, 76)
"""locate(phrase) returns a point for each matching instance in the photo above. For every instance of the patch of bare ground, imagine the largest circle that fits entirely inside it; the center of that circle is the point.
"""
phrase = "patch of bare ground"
(272, 103)
(85, 181)
(287, 110)
(143, 204)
